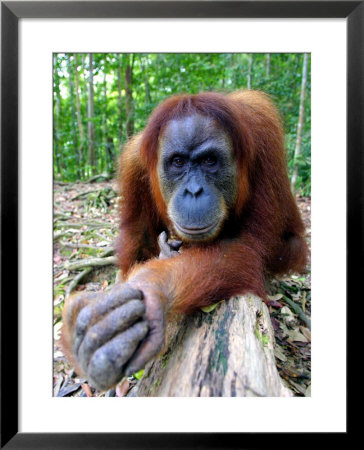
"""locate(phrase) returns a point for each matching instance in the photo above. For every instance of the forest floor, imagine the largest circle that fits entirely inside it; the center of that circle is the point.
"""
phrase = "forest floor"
(85, 229)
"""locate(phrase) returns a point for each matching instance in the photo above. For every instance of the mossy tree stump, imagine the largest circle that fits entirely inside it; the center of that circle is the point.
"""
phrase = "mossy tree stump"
(227, 352)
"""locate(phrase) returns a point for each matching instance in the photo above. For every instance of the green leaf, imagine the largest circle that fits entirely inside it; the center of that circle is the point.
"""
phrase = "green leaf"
(207, 309)
(139, 374)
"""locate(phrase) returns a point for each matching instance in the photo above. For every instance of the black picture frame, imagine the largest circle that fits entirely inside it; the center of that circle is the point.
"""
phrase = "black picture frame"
(11, 12)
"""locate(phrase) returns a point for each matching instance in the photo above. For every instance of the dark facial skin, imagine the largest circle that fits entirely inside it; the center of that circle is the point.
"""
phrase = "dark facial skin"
(198, 176)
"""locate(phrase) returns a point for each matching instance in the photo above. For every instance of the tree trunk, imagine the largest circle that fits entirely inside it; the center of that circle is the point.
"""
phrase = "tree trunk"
(268, 66)
(250, 69)
(57, 117)
(120, 101)
(144, 67)
(297, 150)
(83, 85)
(73, 115)
(105, 162)
(91, 125)
(79, 116)
(228, 352)
(129, 106)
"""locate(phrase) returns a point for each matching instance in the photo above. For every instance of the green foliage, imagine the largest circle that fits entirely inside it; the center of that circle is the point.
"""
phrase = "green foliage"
(122, 104)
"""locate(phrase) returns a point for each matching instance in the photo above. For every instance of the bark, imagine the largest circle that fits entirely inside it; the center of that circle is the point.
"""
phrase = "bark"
(57, 119)
(250, 67)
(84, 83)
(228, 352)
(297, 150)
(78, 109)
(129, 106)
(120, 101)
(144, 67)
(91, 126)
(107, 161)
(73, 114)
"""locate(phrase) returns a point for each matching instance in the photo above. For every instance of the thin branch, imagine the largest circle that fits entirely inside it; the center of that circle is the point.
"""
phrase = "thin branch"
(62, 215)
(92, 247)
(84, 194)
(59, 234)
(57, 206)
(91, 262)
(76, 280)
(85, 224)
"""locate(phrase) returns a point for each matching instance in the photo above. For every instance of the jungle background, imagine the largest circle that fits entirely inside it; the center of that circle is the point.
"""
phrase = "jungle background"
(100, 101)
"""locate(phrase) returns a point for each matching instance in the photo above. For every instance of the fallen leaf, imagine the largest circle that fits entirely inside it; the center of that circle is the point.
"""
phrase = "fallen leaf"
(58, 300)
(308, 391)
(103, 244)
(87, 390)
(306, 332)
(57, 330)
(275, 297)
(68, 390)
(57, 258)
(58, 354)
(275, 304)
(278, 353)
(275, 323)
(57, 385)
(298, 387)
(295, 336)
(288, 316)
(81, 287)
(123, 388)
(61, 275)
(110, 393)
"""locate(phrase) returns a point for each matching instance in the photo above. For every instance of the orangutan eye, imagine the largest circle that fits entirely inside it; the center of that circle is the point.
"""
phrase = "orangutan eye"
(178, 161)
(209, 160)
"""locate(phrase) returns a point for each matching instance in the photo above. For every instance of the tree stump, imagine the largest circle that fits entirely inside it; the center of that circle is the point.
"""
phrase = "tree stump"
(228, 352)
